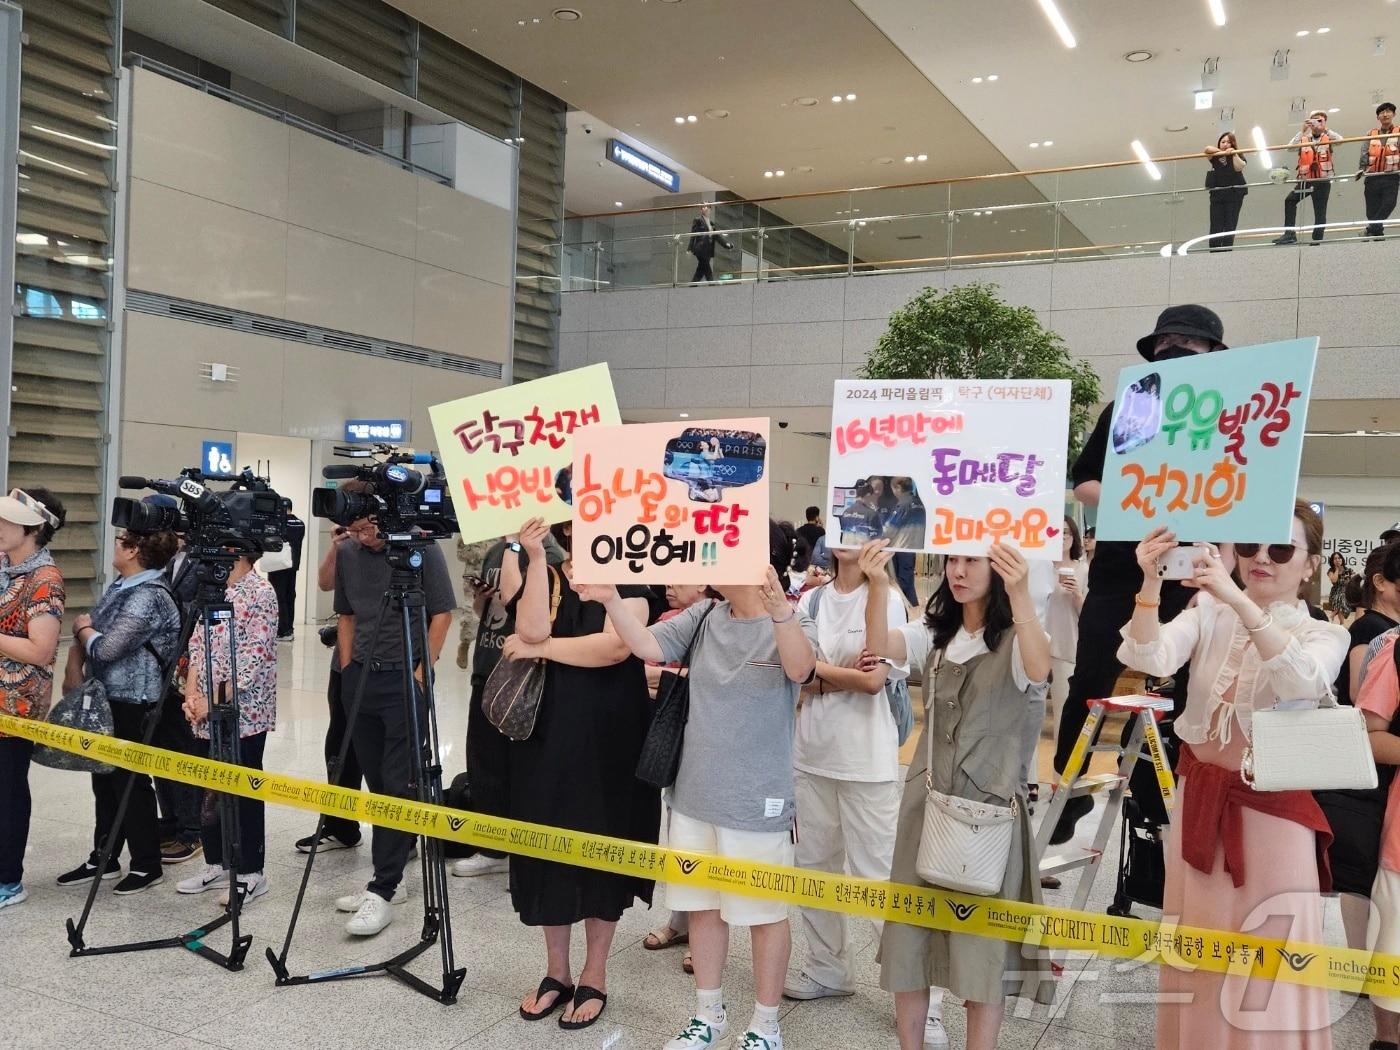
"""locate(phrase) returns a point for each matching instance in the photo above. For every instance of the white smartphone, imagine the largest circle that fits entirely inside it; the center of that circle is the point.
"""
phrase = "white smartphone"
(1177, 564)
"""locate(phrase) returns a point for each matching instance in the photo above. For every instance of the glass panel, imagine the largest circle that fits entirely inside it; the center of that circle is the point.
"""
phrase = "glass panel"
(1113, 211)
(900, 228)
(820, 249)
(1002, 220)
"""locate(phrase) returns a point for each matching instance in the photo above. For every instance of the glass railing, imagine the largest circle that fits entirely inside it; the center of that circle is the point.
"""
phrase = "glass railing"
(1098, 211)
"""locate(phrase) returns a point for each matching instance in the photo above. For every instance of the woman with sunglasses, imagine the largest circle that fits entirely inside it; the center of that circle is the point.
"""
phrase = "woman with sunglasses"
(126, 642)
(1249, 648)
(31, 605)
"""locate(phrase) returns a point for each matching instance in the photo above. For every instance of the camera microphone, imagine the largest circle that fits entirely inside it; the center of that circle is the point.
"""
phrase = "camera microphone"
(131, 481)
(336, 471)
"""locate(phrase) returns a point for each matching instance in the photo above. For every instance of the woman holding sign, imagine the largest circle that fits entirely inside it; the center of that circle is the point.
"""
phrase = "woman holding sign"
(983, 650)
(576, 771)
(1249, 648)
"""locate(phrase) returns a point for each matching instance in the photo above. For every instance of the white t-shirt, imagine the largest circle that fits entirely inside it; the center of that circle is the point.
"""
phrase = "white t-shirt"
(848, 735)
(918, 640)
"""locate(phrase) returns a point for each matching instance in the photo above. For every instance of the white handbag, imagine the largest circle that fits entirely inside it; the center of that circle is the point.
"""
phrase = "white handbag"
(965, 845)
(276, 561)
(1309, 749)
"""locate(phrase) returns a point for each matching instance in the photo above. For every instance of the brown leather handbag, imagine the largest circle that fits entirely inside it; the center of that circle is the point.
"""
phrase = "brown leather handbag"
(515, 688)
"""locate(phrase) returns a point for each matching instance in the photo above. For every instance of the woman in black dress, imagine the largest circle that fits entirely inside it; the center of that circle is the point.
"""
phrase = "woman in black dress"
(1226, 183)
(577, 771)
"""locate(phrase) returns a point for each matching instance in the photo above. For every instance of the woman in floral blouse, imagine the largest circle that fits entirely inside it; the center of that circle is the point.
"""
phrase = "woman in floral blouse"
(255, 643)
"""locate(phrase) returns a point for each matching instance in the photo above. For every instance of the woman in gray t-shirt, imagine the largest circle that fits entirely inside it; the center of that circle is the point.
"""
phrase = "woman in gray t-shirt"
(733, 795)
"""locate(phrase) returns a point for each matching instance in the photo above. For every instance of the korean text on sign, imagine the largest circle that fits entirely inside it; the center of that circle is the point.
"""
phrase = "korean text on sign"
(671, 503)
(509, 453)
(949, 466)
(1209, 445)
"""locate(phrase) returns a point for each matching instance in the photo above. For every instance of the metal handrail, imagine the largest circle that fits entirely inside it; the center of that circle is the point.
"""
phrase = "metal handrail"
(136, 60)
(991, 176)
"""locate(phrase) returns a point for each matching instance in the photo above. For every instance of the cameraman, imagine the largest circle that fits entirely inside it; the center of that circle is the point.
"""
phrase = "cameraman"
(371, 662)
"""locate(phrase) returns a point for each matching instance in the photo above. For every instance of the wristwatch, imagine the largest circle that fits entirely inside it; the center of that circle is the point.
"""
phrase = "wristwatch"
(514, 545)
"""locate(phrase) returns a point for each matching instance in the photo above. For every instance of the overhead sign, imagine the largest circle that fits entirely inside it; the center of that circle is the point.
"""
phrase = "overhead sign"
(1209, 445)
(216, 457)
(508, 452)
(638, 163)
(949, 465)
(671, 503)
(367, 431)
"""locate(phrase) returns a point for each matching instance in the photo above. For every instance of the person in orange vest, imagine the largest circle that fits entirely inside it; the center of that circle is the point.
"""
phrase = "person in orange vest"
(1380, 169)
(1314, 143)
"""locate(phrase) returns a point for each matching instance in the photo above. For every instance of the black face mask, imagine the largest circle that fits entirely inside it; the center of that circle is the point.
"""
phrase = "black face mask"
(1173, 353)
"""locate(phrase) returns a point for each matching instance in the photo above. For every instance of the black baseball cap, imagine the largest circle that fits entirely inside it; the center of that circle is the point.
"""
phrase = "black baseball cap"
(1392, 533)
(1199, 322)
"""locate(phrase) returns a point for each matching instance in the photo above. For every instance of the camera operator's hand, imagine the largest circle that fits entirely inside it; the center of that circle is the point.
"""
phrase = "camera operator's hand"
(532, 537)
(340, 534)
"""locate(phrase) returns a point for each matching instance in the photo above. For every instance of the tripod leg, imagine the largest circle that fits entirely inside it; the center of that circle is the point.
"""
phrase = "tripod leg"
(279, 962)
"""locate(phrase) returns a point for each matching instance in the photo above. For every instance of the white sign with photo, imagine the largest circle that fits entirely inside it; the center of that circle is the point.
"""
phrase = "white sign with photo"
(949, 466)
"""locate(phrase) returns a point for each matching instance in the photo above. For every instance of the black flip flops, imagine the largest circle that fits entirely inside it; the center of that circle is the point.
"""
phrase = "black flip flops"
(549, 984)
(585, 994)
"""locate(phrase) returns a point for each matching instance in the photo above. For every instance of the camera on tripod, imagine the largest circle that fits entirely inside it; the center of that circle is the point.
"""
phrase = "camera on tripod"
(401, 499)
(249, 517)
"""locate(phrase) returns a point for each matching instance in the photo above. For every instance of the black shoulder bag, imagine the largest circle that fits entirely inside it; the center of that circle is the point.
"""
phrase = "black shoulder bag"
(660, 759)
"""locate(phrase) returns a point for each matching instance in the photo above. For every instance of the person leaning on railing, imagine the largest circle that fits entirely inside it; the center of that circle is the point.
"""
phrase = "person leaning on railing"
(1233, 852)
(1380, 170)
(31, 605)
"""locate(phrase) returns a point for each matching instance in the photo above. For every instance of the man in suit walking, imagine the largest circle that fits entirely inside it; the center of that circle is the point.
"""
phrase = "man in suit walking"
(702, 245)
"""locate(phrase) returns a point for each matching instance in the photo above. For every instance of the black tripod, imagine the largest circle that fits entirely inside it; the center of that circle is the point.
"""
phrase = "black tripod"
(404, 599)
(212, 566)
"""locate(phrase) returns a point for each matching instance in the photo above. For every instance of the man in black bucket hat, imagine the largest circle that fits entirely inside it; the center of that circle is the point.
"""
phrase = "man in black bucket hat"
(1114, 576)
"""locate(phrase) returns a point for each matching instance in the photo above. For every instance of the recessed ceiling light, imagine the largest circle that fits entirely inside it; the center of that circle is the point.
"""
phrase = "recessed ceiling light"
(992, 77)
(520, 21)
(1217, 11)
(1035, 145)
(836, 98)
(977, 80)
(767, 174)
(1335, 109)
(568, 14)
(851, 95)
(909, 159)
(617, 204)
(691, 118)
(680, 120)
(1138, 56)
(806, 101)
(1048, 142)
(1325, 29)
(780, 173)
(1301, 32)
(716, 114)
(923, 156)
(1058, 23)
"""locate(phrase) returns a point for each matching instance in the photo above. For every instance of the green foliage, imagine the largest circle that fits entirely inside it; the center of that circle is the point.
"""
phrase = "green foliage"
(969, 333)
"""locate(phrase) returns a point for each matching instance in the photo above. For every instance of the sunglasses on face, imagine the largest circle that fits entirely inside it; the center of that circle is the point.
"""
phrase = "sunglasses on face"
(1279, 553)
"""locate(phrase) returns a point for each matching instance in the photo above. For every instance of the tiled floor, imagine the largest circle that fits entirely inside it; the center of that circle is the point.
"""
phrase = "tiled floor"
(175, 1001)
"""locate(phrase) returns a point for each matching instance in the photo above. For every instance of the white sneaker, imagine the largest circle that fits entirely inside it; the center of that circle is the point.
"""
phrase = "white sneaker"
(935, 1035)
(250, 886)
(212, 877)
(373, 916)
(352, 901)
(803, 988)
(751, 1040)
(480, 864)
(699, 1034)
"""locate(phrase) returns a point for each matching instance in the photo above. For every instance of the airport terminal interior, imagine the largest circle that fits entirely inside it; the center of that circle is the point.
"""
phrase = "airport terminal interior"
(294, 237)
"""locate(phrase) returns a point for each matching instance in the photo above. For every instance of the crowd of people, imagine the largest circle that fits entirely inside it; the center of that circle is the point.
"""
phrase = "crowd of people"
(1314, 174)
(795, 721)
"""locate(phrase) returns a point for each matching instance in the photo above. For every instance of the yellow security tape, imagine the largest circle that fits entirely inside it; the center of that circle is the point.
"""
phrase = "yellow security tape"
(1148, 942)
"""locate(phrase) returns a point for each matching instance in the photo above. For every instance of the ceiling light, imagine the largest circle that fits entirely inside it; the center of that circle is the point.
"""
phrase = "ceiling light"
(806, 101)
(1204, 99)
(1301, 32)
(1217, 11)
(836, 98)
(520, 21)
(1335, 109)
(1142, 155)
(780, 173)
(1325, 29)
(977, 80)
(717, 114)
(909, 159)
(617, 204)
(1138, 56)
(680, 120)
(684, 415)
(767, 174)
(1048, 142)
(568, 14)
(850, 96)
(691, 118)
(923, 157)
(1057, 20)
(992, 77)
(1035, 145)
(1261, 143)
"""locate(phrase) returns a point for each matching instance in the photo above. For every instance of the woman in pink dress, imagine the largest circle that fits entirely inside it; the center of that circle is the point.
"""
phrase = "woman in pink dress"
(1239, 859)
